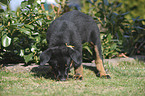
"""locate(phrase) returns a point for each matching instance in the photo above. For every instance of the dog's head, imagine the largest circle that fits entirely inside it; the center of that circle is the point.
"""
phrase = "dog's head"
(60, 58)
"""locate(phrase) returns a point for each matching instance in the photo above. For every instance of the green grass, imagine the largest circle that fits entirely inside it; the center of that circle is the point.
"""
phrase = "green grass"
(127, 79)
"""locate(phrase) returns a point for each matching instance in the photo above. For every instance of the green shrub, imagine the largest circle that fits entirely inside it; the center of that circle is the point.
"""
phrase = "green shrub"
(113, 22)
(110, 48)
(134, 37)
(23, 33)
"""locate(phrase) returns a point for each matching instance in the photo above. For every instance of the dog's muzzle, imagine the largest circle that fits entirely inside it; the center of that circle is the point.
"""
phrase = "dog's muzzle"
(62, 77)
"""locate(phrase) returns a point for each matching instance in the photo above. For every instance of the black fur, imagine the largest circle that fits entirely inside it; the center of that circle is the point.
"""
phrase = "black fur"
(73, 28)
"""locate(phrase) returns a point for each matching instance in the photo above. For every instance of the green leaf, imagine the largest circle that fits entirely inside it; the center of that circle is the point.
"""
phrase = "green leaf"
(125, 13)
(2, 33)
(30, 26)
(115, 14)
(37, 38)
(109, 37)
(17, 24)
(88, 49)
(28, 58)
(24, 4)
(6, 41)
(33, 48)
(36, 33)
(39, 22)
(1, 27)
(113, 46)
(119, 5)
(24, 30)
(15, 39)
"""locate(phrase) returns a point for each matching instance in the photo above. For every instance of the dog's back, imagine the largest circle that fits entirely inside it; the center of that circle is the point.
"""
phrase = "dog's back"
(76, 23)
(84, 23)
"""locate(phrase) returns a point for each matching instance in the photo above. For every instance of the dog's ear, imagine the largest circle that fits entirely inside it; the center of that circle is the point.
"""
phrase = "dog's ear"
(75, 56)
(45, 57)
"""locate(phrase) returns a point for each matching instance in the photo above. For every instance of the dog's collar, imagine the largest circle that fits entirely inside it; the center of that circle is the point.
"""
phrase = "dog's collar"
(70, 46)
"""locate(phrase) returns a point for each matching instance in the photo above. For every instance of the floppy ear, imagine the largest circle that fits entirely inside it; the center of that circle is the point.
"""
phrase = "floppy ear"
(76, 56)
(45, 56)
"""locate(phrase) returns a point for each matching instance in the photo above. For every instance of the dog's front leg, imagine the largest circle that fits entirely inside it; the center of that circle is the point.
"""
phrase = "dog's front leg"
(78, 72)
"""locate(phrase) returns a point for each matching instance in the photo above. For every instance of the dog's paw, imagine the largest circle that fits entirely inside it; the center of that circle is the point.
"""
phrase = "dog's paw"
(78, 77)
(105, 76)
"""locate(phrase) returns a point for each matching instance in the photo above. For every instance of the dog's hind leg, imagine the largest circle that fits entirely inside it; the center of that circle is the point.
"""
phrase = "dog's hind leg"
(98, 52)
(99, 64)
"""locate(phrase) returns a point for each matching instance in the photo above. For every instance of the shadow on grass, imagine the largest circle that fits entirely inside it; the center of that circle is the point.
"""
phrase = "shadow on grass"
(92, 68)
(43, 71)
(46, 72)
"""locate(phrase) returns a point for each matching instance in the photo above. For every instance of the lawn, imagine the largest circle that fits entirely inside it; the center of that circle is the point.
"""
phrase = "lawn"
(127, 79)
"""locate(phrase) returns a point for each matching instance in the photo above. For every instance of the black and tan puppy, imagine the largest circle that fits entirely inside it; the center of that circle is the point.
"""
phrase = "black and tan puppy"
(65, 37)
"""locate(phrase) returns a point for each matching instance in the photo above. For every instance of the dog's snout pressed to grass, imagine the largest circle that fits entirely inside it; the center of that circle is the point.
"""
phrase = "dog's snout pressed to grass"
(65, 36)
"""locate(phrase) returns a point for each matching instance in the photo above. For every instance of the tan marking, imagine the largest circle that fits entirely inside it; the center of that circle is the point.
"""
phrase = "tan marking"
(71, 63)
(99, 63)
(78, 76)
(70, 46)
(123, 55)
(79, 72)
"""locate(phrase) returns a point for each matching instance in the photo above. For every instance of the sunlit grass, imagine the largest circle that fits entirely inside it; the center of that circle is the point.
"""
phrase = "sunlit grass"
(128, 79)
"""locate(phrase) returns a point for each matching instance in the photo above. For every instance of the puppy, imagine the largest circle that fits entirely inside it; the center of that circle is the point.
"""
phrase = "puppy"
(65, 36)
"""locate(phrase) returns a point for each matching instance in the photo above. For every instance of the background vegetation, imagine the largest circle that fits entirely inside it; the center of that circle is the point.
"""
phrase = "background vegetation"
(22, 33)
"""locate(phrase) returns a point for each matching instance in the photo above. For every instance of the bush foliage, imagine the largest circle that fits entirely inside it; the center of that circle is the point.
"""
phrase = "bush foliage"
(23, 32)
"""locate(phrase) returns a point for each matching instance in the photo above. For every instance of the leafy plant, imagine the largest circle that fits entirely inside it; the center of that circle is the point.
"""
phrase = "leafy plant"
(110, 47)
(88, 52)
(135, 37)
(110, 24)
(23, 32)
(113, 22)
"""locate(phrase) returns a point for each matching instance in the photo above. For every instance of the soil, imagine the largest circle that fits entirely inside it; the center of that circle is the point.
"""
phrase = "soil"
(22, 68)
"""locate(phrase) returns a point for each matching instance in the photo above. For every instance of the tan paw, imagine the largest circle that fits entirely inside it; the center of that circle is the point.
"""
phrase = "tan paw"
(78, 77)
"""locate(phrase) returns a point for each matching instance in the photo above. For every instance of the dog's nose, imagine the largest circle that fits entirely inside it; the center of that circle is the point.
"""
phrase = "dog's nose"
(62, 78)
